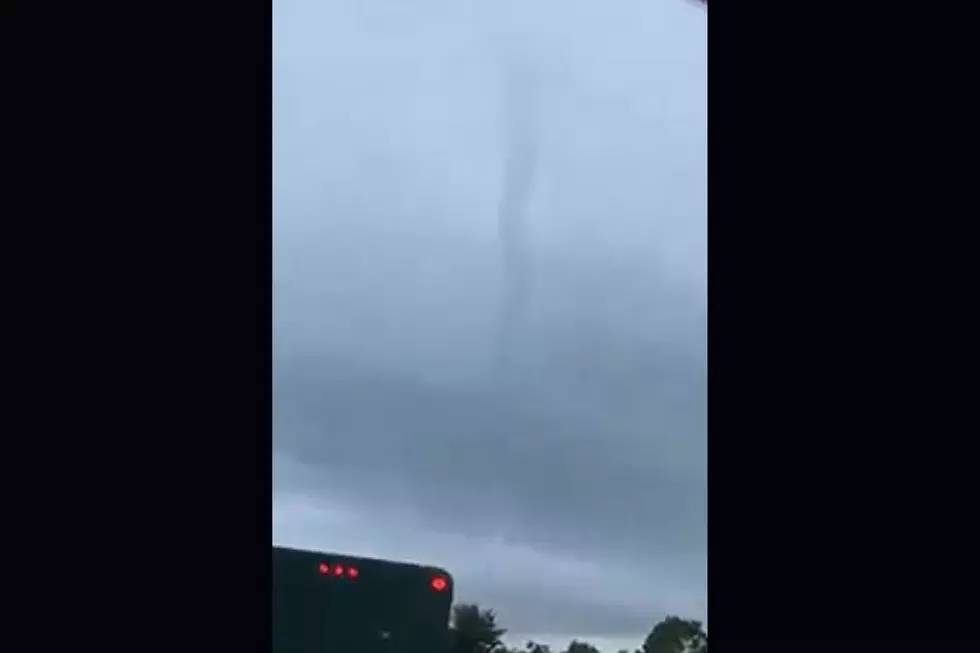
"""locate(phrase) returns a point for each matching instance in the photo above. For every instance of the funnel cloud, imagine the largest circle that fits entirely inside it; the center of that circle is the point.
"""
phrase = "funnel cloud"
(517, 185)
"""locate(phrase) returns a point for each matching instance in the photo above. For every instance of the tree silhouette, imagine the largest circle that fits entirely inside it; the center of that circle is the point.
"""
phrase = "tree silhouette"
(474, 630)
(676, 635)
(577, 646)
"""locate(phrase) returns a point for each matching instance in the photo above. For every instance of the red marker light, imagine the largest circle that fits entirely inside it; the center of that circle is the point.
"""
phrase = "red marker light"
(338, 570)
(352, 572)
(438, 583)
(323, 568)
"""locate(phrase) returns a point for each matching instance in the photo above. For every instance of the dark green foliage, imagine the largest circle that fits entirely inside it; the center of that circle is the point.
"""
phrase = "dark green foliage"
(676, 635)
(475, 630)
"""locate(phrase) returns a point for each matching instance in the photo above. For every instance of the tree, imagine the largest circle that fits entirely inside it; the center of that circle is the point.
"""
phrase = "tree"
(474, 630)
(534, 647)
(581, 647)
(676, 635)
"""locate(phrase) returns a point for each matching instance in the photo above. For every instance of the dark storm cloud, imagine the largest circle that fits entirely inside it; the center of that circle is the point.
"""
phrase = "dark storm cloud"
(486, 464)
(597, 446)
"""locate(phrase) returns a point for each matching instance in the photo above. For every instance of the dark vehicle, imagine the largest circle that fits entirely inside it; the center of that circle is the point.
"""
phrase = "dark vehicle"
(332, 603)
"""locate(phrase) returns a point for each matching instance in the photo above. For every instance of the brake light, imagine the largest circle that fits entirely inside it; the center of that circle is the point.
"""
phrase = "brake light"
(438, 583)
(337, 569)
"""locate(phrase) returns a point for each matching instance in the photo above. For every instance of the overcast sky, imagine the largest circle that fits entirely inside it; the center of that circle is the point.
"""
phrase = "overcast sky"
(566, 490)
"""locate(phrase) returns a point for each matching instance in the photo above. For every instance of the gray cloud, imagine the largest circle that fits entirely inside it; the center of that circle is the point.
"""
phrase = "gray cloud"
(589, 457)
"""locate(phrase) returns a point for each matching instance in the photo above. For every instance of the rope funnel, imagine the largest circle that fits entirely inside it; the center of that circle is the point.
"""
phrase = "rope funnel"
(520, 158)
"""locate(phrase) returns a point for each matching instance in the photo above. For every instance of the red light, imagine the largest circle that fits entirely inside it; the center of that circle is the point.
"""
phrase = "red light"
(323, 568)
(439, 583)
(338, 570)
(352, 572)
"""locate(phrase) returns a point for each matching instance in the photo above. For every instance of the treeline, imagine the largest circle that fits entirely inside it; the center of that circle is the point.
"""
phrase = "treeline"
(476, 631)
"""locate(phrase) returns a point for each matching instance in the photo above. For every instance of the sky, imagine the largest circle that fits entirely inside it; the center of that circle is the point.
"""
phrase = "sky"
(565, 489)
